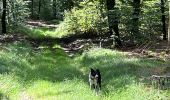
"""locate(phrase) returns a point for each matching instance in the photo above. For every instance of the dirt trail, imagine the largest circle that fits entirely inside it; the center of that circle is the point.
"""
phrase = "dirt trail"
(40, 23)
(76, 44)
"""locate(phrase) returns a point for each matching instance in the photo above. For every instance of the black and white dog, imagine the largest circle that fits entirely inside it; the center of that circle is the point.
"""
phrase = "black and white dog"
(95, 80)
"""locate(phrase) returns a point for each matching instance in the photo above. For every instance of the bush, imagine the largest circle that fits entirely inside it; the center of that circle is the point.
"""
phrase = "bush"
(89, 17)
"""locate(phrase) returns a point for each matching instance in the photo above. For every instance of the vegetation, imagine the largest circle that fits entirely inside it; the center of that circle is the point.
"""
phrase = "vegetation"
(51, 74)
(131, 20)
(47, 48)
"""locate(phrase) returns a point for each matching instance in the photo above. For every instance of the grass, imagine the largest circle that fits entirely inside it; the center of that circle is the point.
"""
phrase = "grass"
(50, 74)
(37, 33)
(43, 32)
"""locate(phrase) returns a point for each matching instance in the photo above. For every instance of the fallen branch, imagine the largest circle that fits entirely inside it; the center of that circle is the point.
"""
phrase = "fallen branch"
(160, 82)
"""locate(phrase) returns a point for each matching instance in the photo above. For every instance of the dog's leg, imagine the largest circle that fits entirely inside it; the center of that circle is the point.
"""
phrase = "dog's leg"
(95, 89)
(100, 86)
(94, 86)
(91, 86)
(91, 83)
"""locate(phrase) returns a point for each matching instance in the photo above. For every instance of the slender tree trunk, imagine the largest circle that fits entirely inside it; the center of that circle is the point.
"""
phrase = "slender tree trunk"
(39, 9)
(32, 8)
(113, 21)
(54, 9)
(169, 25)
(163, 19)
(4, 17)
(135, 19)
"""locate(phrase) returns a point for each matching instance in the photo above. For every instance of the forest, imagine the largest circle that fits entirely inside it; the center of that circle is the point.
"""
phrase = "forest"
(49, 48)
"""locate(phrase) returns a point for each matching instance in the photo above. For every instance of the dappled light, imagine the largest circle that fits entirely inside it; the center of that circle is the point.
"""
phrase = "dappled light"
(47, 70)
(84, 50)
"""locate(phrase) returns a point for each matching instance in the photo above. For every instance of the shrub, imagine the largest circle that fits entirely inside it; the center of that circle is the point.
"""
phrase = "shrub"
(89, 17)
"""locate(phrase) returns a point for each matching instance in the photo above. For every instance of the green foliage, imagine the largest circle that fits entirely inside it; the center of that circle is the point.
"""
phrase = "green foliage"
(17, 11)
(49, 73)
(32, 33)
(150, 25)
(89, 18)
(40, 33)
(46, 11)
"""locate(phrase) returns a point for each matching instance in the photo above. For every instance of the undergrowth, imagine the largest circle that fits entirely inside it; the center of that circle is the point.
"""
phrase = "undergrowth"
(49, 73)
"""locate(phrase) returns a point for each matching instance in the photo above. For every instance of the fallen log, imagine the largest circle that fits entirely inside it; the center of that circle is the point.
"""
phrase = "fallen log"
(160, 82)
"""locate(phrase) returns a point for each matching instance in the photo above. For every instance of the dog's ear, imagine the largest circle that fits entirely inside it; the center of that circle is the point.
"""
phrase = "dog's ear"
(92, 70)
(98, 71)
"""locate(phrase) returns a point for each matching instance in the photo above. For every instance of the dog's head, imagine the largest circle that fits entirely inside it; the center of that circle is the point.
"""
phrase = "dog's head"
(94, 74)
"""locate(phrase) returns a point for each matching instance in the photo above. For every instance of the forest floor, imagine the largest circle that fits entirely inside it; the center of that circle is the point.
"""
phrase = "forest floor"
(56, 69)
(39, 23)
(150, 49)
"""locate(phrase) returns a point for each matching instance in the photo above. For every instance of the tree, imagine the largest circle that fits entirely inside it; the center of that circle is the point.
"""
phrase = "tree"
(17, 12)
(4, 17)
(113, 21)
(163, 19)
(169, 25)
(54, 9)
(39, 9)
(32, 8)
(135, 18)
(14, 12)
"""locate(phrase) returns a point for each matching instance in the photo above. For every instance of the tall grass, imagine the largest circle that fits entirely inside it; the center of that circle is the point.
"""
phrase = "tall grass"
(50, 74)
(43, 32)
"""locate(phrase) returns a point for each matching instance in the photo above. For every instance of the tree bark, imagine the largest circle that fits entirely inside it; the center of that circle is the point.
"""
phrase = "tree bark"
(32, 8)
(39, 9)
(135, 19)
(169, 25)
(113, 22)
(163, 19)
(4, 17)
(54, 9)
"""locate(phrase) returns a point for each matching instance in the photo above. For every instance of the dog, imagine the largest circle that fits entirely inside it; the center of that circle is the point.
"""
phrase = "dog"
(95, 80)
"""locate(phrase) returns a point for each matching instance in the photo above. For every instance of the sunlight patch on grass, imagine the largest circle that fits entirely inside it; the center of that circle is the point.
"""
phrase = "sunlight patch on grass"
(68, 89)
(10, 86)
(51, 74)
(137, 92)
(41, 32)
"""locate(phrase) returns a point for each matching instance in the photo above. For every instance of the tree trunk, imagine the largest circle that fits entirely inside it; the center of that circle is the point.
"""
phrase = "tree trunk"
(163, 19)
(39, 9)
(32, 8)
(135, 19)
(113, 22)
(4, 17)
(54, 9)
(169, 25)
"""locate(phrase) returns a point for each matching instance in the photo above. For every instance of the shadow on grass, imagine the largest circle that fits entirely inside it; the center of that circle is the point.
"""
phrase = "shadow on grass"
(119, 71)
(44, 64)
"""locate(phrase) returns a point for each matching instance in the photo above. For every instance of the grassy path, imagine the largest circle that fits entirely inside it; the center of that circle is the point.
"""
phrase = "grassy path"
(50, 74)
